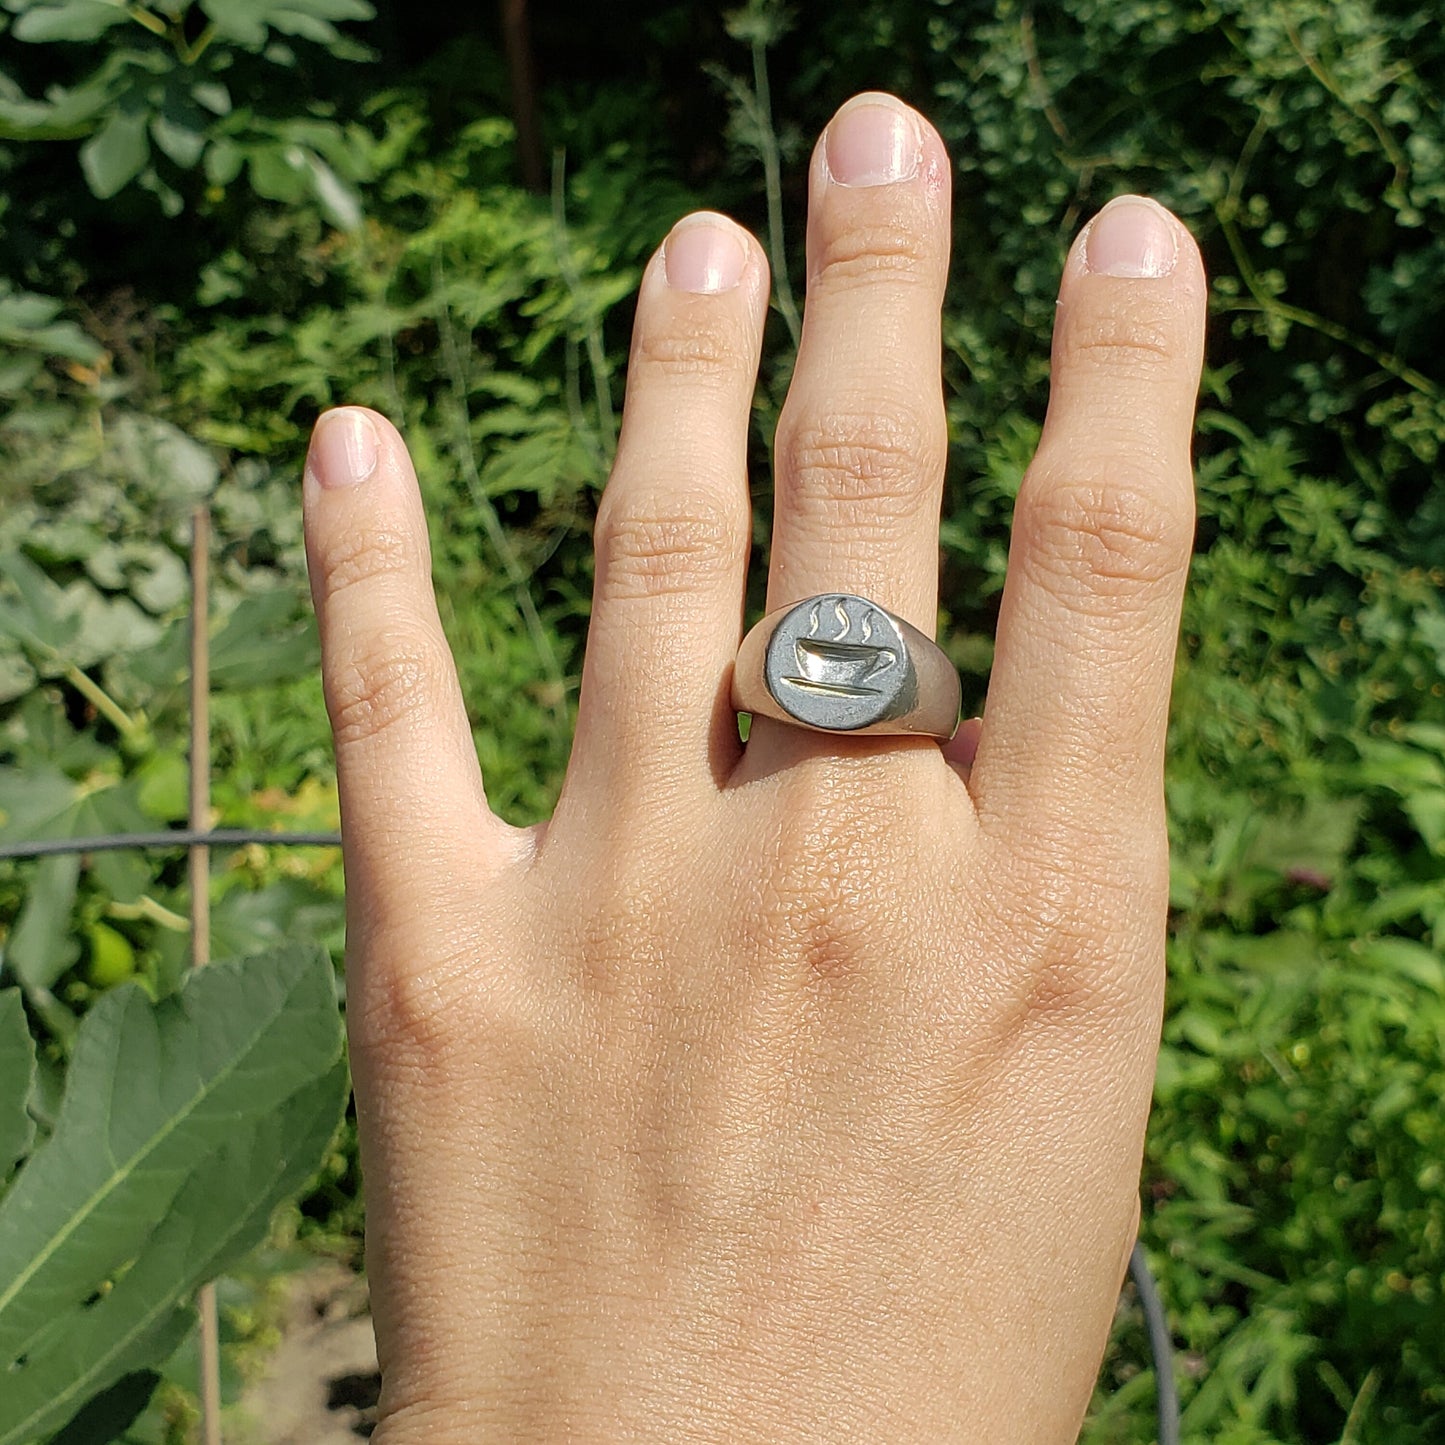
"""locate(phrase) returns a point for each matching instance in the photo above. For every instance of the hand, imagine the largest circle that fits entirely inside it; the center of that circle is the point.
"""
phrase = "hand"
(792, 1091)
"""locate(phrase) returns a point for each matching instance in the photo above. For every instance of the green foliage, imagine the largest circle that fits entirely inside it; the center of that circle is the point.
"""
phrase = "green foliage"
(31, 334)
(1293, 1196)
(93, 659)
(159, 100)
(183, 1125)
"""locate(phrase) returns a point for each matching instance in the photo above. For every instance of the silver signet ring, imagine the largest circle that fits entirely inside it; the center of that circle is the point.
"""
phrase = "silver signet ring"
(838, 663)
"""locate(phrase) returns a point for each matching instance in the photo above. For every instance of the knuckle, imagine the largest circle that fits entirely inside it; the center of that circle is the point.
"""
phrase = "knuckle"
(688, 544)
(824, 912)
(1108, 539)
(1075, 979)
(866, 251)
(1072, 972)
(1090, 941)
(431, 1021)
(409, 1016)
(1119, 341)
(711, 351)
(366, 556)
(806, 928)
(393, 678)
(890, 458)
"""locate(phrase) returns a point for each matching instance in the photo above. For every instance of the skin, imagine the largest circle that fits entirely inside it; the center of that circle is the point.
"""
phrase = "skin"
(793, 1091)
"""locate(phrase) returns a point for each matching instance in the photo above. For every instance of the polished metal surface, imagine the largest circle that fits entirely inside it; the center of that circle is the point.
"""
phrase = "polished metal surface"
(841, 663)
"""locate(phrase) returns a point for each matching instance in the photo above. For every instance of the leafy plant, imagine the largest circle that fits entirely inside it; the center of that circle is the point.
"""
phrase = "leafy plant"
(183, 1125)
(160, 103)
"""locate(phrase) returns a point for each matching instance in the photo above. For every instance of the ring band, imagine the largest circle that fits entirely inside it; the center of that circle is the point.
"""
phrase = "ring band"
(838, 663)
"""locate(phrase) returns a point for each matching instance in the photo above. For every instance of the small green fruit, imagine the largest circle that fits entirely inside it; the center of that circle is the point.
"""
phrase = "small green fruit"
(112, 959)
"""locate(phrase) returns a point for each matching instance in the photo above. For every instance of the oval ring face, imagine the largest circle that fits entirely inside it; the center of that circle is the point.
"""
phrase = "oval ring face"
(839, 662)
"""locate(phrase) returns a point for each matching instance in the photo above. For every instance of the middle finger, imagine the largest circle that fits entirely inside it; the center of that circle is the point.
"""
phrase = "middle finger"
(862, 438)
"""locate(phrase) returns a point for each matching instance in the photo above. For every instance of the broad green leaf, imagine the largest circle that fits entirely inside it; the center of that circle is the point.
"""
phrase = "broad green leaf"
(327, 9)
(39, 802)
(1317, 835)
(263, 642)
(173, 466)
(124, 874)
(306, 27)
(221, 1212)
(163, 788)
(116, 154)
(1427, 735)
(151, 1090)
(145, 568)
(17, 1078)
(1400, 768)
(240, 21)
(107, 1416)
(264, 639)
(67, 113)
(214, 96)
(277, 173)
(224, 159)
(35, 613)
(72, 626)
(246, 21)
(70, 20)
(42, 945)
(17, 676)
(18, 373)
(247, 921)
(337, 201)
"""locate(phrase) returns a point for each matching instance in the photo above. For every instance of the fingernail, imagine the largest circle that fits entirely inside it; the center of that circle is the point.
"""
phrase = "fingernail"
(1132, 236)
(343, 448)
(704, 254)
(873, 141)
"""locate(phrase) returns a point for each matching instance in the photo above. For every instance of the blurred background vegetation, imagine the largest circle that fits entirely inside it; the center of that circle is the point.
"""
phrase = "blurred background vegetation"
(217, 219)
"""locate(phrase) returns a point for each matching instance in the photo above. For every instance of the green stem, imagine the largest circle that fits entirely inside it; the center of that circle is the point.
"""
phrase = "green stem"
(1267, 112)
(1272, 305)
(153, 23)
(147, 908)
(592, 334)
(192, 53)
(491, 523)
(102, 701)
(1363, 113)
(1355, 1421)
(772, 177)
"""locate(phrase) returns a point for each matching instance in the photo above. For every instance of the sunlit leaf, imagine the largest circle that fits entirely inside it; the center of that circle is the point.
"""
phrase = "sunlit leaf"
(38, 802)
(154, 1091)
(116, 154)
(221, 1211)
(69, 20)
